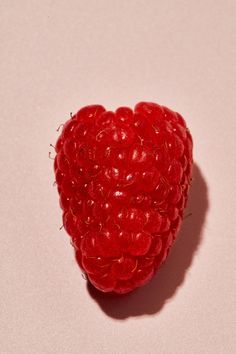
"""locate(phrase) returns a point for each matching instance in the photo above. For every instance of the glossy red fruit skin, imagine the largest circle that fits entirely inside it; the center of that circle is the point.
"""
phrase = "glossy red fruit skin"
(123, 179)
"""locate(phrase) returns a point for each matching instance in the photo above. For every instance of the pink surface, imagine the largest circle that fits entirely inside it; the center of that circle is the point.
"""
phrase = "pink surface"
(58, 56)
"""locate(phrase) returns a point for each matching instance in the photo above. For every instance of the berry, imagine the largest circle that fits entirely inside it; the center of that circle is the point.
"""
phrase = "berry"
(123, 179)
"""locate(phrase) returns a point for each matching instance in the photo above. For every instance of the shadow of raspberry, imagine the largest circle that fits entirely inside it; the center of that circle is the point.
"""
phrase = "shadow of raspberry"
(150, 299)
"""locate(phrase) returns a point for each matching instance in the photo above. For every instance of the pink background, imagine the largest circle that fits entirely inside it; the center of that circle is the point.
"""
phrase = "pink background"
(57, 56)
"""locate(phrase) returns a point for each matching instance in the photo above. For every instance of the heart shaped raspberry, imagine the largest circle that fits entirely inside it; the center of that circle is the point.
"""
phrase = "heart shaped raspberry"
(123, 179)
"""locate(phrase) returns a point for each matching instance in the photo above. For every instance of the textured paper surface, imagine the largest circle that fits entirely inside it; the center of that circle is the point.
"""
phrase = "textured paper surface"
(57, 56)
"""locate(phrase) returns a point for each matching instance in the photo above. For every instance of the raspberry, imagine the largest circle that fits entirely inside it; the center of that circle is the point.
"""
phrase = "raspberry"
(123, 180)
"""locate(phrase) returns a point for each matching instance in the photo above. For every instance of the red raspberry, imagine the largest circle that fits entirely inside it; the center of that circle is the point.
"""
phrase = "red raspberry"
(123, 180)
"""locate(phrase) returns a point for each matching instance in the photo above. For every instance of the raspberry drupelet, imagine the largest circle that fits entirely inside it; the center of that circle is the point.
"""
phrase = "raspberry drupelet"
(123, 178)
